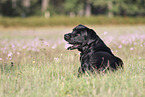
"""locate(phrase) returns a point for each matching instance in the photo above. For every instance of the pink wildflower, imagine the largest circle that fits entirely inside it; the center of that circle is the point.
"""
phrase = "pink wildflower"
(131, 48)
(120, 46)
(105, 33)
(18, 53)
(56, 59)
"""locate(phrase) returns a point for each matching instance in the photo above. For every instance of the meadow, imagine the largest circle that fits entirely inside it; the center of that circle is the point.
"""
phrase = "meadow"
(34, 62)
(69, 21)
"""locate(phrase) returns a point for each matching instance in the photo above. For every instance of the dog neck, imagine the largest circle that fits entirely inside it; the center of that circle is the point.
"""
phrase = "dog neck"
(97, 45)
(88, 48)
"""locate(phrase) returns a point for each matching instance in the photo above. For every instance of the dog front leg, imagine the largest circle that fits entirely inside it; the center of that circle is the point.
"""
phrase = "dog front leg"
(82, 70)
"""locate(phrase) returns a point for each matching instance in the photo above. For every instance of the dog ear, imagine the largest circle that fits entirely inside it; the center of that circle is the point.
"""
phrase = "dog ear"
(91, 36)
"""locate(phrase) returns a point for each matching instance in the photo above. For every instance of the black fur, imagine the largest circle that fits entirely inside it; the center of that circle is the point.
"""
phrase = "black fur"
(95, 55)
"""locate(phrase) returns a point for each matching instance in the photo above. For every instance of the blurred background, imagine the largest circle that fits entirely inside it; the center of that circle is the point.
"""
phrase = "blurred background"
(25, 8)
(73, 8)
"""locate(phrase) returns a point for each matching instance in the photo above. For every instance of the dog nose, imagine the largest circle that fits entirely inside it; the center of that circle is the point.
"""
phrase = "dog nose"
(67, 36)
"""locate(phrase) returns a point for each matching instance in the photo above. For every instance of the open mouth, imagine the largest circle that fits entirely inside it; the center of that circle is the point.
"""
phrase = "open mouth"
(74, 46)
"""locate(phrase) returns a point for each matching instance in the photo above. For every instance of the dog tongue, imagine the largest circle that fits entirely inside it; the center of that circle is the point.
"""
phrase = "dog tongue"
(73, 47)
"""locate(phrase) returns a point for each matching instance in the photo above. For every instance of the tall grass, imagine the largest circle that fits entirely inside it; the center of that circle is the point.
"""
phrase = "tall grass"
(43, 67)
(68, 21)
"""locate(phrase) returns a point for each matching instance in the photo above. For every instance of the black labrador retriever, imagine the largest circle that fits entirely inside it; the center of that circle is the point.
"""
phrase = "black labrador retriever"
(95, 55)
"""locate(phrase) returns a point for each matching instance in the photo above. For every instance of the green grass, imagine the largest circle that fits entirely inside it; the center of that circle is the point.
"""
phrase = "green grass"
(68, 21)
(41, 70)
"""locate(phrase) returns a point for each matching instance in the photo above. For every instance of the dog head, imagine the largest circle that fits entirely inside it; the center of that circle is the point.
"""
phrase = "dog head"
(80, 37)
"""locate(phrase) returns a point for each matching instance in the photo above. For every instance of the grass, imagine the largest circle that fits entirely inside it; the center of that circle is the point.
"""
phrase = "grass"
(68, 21)
(43, 67)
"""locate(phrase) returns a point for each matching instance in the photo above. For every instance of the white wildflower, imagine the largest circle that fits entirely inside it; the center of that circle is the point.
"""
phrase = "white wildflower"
(54, 46)
(10, 54)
